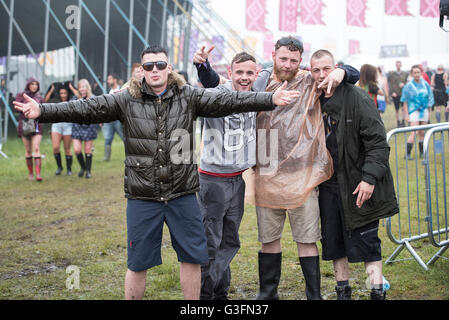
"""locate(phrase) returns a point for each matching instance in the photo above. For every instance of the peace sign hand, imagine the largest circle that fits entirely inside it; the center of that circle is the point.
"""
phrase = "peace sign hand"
(202, 54)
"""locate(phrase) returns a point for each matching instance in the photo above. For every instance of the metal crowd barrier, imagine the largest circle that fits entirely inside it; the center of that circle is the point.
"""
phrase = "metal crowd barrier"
(436, 188)
(412, 222)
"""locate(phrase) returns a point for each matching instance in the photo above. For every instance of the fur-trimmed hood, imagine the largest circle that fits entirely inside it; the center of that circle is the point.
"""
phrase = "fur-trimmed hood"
(137, 88)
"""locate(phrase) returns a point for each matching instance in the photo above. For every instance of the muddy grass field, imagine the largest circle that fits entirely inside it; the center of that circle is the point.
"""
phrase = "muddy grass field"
(69, 221)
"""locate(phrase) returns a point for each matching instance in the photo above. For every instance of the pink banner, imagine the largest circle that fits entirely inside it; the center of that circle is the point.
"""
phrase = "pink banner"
(397, 8)
(355, 13)
(354, 47)
(311, 11)
(430, 8)
(255, 15)
(288, 15)
(268, 46)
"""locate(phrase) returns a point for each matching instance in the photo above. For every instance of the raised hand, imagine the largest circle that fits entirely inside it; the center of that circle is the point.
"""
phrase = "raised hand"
(282, 97)
(30, 109)
(202, 54)
(333, 80)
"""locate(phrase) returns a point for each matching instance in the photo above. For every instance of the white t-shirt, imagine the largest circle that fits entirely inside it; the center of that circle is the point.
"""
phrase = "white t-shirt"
(114, 90)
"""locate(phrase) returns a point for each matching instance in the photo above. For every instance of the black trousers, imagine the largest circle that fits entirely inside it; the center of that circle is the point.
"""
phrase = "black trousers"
(221, 203)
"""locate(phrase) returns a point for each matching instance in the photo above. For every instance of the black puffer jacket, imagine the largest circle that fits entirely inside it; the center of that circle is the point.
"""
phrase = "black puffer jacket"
(159, 131)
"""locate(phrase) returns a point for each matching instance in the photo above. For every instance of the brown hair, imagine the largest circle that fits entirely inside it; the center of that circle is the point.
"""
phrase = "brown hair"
(292, 44)
(416, 66)
(321, 53)
(368, 74)
(242, 57)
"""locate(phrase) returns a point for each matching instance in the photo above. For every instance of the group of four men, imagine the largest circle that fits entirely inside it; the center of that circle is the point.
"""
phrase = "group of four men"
(293, 150)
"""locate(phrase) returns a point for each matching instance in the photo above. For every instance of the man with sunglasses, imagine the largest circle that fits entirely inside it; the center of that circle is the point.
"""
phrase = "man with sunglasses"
(161, 176)
(296, 161)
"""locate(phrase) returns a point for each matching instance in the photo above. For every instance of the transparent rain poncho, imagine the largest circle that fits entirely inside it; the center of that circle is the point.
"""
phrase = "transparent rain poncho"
(292, 158)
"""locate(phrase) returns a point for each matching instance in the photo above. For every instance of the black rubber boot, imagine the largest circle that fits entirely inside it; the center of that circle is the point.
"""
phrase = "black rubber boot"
(311, 270)
(88, 165)
(80, 158)
(58, 163)
(409, 150)
(269, 275)
(421, 148)
(68, 161)
(344, 292)
(378, 294)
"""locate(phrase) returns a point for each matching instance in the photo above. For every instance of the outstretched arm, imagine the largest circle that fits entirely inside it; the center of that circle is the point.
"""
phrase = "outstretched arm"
(215, 103)
(105, 108)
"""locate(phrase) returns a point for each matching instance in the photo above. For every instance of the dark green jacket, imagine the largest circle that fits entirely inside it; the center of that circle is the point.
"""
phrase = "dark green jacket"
(158, 131)
(363, 154)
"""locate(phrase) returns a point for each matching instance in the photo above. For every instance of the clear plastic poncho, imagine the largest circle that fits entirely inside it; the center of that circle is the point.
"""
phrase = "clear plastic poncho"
(292, 158)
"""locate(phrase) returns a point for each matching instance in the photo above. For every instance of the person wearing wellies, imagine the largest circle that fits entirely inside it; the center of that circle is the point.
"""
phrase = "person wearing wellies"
(417, 97)
(84, 133)
(361, 190)
(161, 174)
(61, 131)
(439, 83)
(31, 141)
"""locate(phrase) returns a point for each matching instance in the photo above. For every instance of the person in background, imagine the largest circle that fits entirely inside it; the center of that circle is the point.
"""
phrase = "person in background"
(417, 97)
(382, 99)
(368, 82)
(396, 81)
(136, 75)
(61, 131)
(32, 141)
(111, 128)
(439, 83)
(86, 133)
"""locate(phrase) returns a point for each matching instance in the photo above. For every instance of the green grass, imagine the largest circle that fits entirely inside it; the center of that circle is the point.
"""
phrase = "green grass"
(71, 221)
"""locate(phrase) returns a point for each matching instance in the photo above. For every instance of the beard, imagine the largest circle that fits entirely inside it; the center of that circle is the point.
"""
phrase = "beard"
(284, 75)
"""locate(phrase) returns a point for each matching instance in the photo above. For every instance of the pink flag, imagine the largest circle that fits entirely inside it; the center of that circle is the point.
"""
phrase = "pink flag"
(311, 11)
(354, 47)
(430, 8)
(397, 8)
(268, 46)
(255, 15)
(288, 14)
(355, 13)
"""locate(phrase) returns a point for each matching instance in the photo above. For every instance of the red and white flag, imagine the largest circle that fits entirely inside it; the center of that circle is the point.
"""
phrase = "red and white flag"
(354, 47)
(430, 8)
(355, 13)
(288, 15)
(311, 11)
(397, 8)
(255, 15)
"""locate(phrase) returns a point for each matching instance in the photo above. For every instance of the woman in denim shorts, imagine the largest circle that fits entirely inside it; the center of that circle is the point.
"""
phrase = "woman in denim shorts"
(61, 131)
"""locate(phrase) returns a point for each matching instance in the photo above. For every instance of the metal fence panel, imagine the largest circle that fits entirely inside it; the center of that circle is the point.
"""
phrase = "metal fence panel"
(410, 224)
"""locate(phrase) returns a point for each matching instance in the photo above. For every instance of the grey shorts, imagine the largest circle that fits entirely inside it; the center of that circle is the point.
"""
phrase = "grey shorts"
(63, 128)
(304, 221)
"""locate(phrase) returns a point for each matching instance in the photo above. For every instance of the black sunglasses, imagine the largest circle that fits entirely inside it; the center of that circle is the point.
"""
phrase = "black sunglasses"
(289, 41)
(160, 65)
